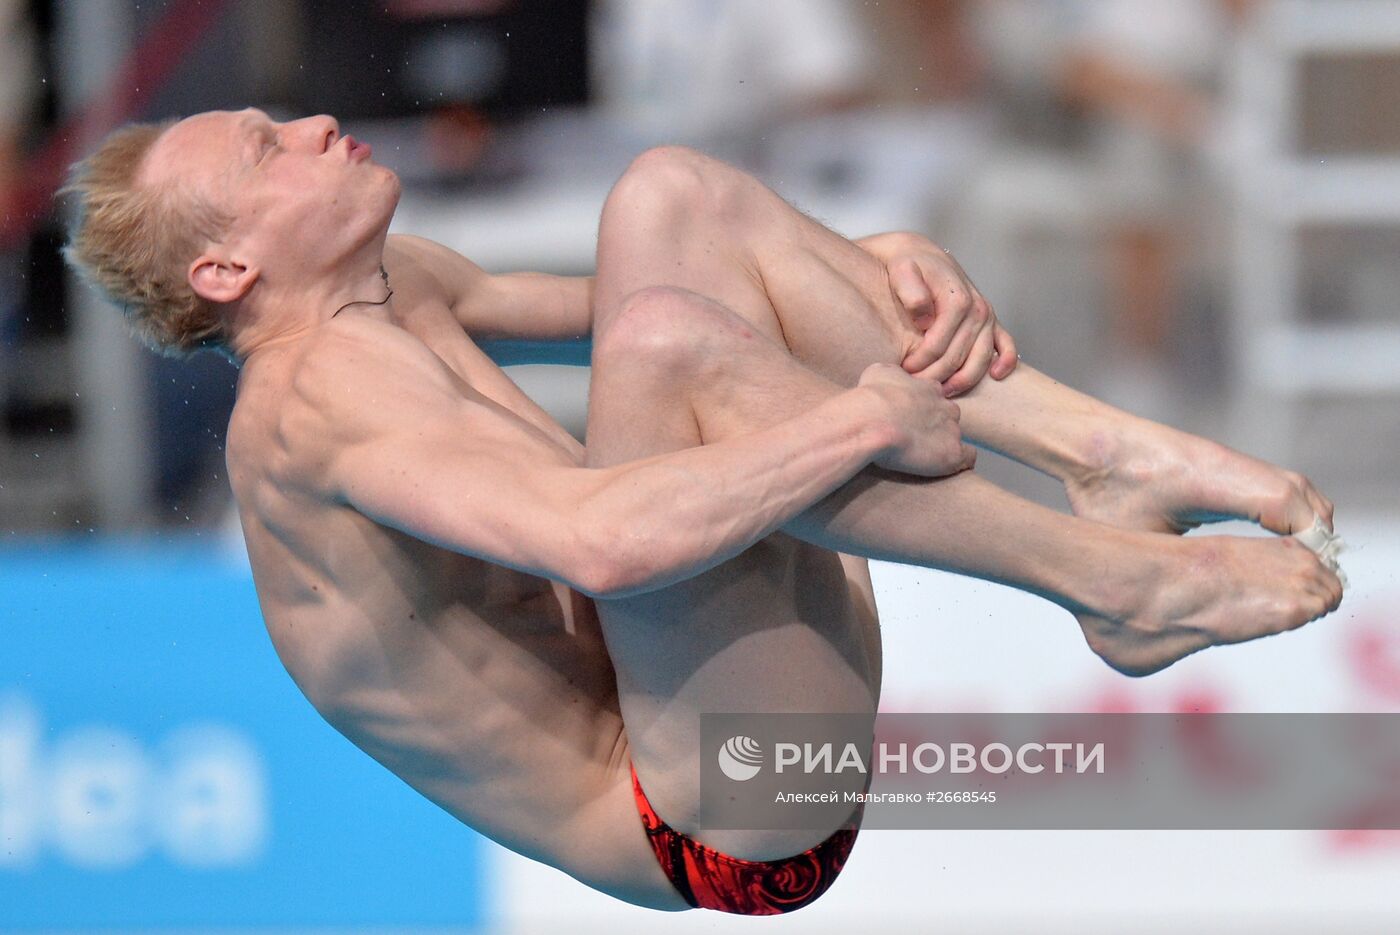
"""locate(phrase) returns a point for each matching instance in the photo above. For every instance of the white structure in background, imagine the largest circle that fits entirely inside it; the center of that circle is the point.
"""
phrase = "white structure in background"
(694, 70)
(1281, 359)
(117, 463)
(956, 644)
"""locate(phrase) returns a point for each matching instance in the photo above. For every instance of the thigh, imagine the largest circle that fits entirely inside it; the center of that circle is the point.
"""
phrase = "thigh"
(775, 629)
(862, 591)
(681, 219)
(673, 369)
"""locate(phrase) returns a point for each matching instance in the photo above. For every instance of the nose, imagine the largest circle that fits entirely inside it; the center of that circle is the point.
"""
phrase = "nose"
(318, 133)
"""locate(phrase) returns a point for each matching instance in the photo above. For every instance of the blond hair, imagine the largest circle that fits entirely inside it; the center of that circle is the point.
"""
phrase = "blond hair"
(134, 242)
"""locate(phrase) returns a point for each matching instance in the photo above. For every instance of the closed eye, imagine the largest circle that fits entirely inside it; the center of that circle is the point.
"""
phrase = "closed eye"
(267, 151)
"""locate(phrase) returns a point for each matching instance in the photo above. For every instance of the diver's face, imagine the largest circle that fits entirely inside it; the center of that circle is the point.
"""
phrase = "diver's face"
(297, 192)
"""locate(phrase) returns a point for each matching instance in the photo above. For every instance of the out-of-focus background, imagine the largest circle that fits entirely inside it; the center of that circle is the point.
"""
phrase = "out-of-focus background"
(1188, 208)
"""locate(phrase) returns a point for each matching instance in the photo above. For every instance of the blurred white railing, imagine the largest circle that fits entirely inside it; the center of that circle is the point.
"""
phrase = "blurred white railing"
(1281, 359)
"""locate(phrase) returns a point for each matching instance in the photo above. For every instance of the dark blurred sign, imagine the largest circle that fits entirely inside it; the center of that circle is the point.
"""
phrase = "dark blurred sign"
(372, 58)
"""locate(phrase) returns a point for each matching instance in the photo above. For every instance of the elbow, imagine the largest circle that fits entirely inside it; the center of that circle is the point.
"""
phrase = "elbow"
(606, 580)
(608, 566)
(599, 579)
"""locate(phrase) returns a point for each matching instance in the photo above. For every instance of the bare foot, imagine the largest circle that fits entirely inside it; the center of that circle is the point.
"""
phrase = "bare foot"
(1205, 591)
(1142, 475)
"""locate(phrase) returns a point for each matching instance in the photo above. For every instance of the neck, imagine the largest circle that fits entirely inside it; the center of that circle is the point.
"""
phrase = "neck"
(274, 312)
(388, 294)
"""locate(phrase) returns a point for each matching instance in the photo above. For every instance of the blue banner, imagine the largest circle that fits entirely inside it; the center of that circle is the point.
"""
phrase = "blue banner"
(159, 769)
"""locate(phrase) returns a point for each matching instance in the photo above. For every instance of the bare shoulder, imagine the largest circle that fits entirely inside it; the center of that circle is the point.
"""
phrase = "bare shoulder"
(356, 366)
(413, 260)
(355, 379)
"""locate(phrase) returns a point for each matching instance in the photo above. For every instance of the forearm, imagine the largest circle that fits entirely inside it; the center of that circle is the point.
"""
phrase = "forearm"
(677, 515)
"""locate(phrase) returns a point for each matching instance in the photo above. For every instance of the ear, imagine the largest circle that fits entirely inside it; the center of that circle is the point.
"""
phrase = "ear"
(220, 279)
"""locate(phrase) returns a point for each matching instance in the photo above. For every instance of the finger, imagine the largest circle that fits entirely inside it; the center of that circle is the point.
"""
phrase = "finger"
(975, 367)
(947, 322)
(1007, 356)
(949, 362)
(954, 309)
(969, 458)
(909, 287)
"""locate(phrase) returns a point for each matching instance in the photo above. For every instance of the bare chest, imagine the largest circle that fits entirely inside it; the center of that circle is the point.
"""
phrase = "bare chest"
(431, 321)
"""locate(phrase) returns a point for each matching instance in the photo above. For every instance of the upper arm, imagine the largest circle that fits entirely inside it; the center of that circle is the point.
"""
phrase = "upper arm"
(510, 306)
(531, 307)
(406, 448)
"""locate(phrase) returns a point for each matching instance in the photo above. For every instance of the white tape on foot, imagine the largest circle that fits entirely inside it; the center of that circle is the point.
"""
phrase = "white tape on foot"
(1327, 544)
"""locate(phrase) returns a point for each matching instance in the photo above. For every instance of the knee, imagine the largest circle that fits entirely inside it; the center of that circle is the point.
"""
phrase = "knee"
(678, 183)
(677, 332)
(661, 327)
(674, 173)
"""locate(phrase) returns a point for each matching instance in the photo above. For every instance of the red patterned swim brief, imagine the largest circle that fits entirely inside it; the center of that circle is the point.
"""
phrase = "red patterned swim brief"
(708, 879)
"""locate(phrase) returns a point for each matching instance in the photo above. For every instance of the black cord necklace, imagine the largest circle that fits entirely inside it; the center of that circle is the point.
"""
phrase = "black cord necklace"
(384, 275)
